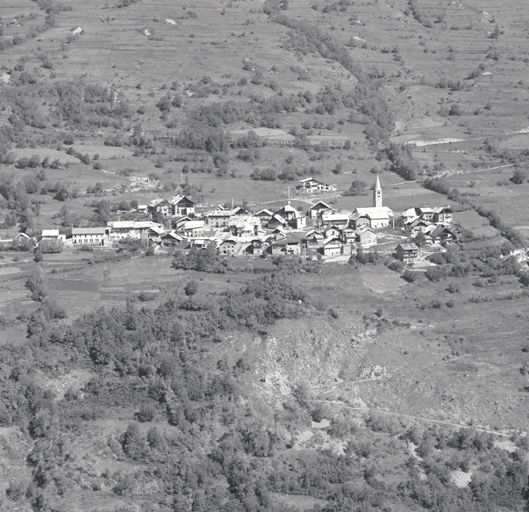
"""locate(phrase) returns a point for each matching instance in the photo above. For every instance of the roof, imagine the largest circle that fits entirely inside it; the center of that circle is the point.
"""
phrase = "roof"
(154, 202)
(331, 239)
(88, 231)
(377, 184)
(179, 198)
(193, 224)
(409, 247)
(417, 221)
(440, 209)
(172, 234)
(312, 179)
(278, 217)
(157, 229)
(335, 216)
(320, 203)
(218, 213)
(239, 210)
(440, 229)
(131, 224)
(381, 212)
(287, 208)
(264, 212)
(367, 233)
(294, 238)
(50, 232)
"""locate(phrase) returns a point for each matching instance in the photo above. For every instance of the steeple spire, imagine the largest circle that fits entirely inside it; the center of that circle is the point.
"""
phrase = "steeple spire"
(377, 194)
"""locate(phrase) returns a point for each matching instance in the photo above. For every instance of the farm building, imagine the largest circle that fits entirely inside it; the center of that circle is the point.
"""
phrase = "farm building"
(50, 234)
(90, 236)
(129, 228)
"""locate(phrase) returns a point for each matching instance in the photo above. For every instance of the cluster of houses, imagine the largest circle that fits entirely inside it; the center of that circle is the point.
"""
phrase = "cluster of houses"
(285, 231)
(433, 223)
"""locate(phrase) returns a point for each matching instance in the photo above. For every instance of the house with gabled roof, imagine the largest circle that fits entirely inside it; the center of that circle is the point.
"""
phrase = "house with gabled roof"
(154, 233)
(443, 234)
(192, 228)
(311, 186)
(218, 218)
(332, 231)
(333, 218)
(407, 252)
(442, 215)
(366, 238)
(332, 246)
(171, 239)
(227, 247)
(182, 205)
(425, 213)
(239, 210)
(359, 220)
(264, 215)
(277, 221)
(418, 225)
(348, 235)
(256, 247)
(317, 209)
(161, 207)
(292, 244)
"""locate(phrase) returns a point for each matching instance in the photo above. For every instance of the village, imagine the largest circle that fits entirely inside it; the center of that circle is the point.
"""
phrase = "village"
(321, 233)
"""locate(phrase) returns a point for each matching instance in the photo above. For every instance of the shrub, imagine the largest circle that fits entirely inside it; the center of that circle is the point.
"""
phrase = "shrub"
(409, 276)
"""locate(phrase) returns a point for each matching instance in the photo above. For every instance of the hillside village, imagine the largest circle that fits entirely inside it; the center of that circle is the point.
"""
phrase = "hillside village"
(322, 232)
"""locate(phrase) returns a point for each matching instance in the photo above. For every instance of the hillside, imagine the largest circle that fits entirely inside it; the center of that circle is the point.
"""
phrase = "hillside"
(143, 379)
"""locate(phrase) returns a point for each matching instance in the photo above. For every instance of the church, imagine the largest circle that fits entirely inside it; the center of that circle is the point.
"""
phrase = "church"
(376, 216)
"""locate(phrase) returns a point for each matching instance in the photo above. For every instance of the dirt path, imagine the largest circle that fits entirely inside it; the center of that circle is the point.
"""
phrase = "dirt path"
(420, 418)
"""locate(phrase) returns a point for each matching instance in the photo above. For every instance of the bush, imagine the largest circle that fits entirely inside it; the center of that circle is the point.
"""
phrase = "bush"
(409, 276)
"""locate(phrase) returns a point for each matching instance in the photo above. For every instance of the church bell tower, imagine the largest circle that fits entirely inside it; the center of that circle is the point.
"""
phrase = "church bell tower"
(377, 194)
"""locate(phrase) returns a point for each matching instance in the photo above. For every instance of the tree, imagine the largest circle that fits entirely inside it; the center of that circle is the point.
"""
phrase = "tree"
(62, 195)
(191, 288)
(455, 110)
(519, 176)
(38, 257)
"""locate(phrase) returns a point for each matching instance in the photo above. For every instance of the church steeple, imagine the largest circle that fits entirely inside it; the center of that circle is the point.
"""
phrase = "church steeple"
(377, 194)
